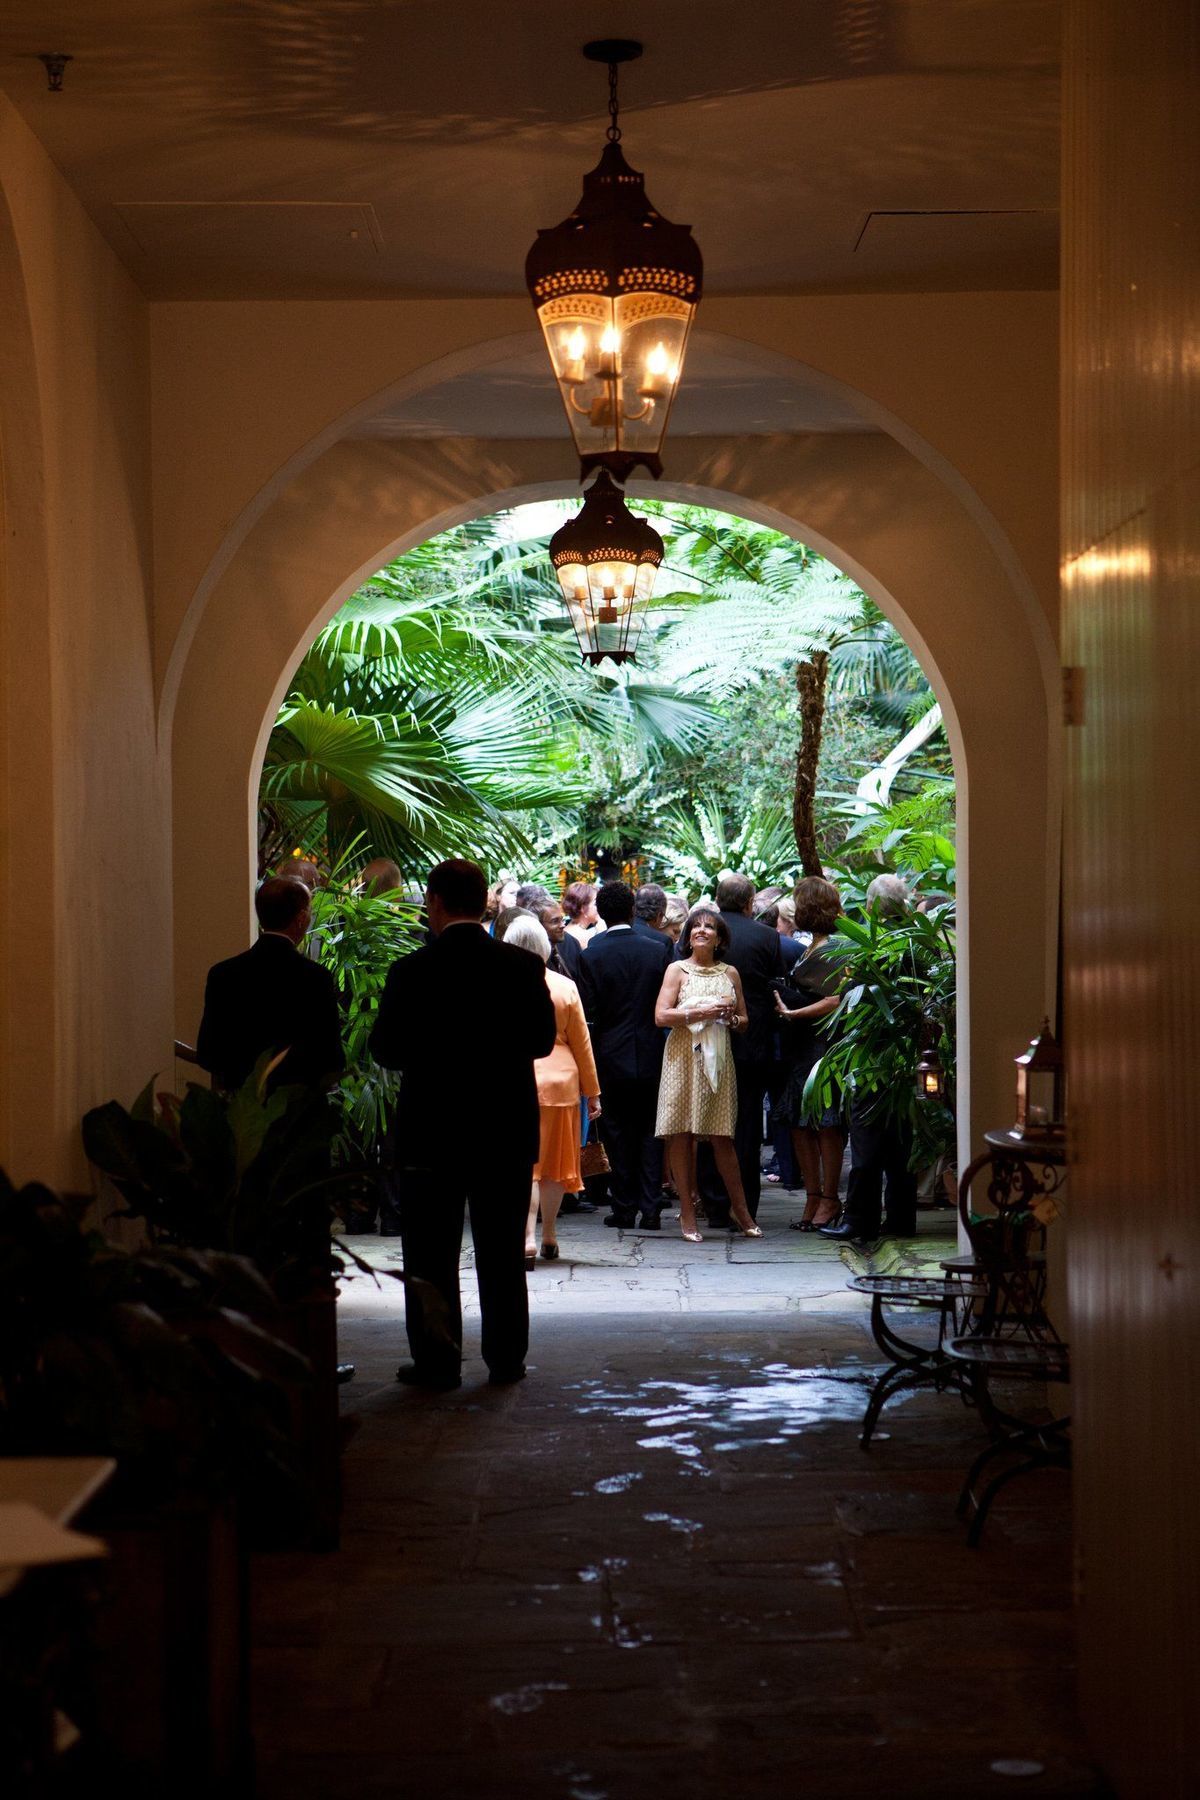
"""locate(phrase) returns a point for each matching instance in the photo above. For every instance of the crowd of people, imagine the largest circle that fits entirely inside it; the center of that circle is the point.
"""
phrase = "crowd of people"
(533, 1034)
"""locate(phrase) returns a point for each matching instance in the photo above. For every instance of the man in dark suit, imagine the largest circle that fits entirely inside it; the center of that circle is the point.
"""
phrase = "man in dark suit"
(649, 910)
(272, 998)
(463, 1019)
(620, 975)
(755, 953)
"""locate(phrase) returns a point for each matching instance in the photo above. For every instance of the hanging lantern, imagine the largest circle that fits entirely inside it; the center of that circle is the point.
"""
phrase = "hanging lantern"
(606, 561)
(931, 1077)
(616, 287)
(1041, 1090)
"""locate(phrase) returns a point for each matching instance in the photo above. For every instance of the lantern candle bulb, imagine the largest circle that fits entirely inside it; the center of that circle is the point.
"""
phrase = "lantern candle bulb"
(660, 374)
(575, 355)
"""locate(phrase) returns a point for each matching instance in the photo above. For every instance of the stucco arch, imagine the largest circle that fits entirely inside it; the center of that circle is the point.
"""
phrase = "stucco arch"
(871, 506)
(247, 398)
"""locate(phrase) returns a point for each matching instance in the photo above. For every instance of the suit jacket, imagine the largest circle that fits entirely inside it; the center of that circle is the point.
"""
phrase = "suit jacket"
(755, 952)
(570, 955)
(792, 949)
(642, 929)
(619, 978)
(463, 1020)
(271, 998)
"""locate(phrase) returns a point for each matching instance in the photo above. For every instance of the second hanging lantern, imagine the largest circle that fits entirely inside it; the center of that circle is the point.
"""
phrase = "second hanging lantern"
(606, 559)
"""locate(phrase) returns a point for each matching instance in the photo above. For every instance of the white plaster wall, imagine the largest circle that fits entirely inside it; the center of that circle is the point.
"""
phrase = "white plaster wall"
(84, 810)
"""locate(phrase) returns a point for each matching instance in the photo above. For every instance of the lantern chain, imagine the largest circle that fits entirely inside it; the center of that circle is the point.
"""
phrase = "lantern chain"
(613, 133)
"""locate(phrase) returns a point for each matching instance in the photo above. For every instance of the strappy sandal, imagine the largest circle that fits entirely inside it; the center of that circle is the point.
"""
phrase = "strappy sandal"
(808, 1222)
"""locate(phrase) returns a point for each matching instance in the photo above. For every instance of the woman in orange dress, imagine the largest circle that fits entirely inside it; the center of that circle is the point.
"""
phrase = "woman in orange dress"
(562, 1077)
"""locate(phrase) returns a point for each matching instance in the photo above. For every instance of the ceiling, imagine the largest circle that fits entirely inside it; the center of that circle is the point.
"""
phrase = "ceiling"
(353, 148)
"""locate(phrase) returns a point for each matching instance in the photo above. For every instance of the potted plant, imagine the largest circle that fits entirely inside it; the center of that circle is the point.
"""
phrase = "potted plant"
(250, 1174)
(897, 998)
(170, 1361)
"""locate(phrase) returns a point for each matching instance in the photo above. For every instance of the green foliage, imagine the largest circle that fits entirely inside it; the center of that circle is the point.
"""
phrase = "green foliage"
(358, 937)
(169, 1360)
(913, 836)
(444, 709)
(694, 848)
(247, 1173)
(897, 996)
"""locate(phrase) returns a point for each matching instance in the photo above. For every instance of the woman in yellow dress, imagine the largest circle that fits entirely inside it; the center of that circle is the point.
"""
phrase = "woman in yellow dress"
(701, 1000)
(562, 1077)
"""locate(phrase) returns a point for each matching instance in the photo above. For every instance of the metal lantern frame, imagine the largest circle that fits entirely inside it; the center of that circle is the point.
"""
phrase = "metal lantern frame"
(615, 286)
(605, 559)
(1041, 1109)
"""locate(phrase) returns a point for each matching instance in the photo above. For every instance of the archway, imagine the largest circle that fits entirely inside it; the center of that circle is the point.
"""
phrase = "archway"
(859, 498)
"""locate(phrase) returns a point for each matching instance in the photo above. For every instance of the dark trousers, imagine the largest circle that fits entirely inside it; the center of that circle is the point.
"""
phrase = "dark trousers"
(752, 1078)
(432, 1209)
(630, 1111)
(781, 1135)
(879, 1152)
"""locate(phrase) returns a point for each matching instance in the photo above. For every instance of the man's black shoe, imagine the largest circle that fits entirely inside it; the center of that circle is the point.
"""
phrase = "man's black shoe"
(587, 1206)
(904, 1231)
(622, 1224)
(436, 1383)
(506, 1377)
(846, 1233)
(345, 1372)
(650, 1222)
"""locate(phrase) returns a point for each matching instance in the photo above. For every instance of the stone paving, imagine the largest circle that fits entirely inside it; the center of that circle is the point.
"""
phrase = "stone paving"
(662, 1566)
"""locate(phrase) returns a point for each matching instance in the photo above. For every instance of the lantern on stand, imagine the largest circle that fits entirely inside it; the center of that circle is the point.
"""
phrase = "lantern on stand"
(1041, 1092)
(606, 559)
(616, 287)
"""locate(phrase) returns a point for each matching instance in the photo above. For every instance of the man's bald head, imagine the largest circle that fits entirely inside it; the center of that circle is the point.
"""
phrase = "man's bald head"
(381, 876)
(300, 868)
(284, 905)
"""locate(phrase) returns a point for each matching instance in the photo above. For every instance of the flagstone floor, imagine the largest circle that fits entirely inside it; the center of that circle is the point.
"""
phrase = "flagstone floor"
(662, 1566)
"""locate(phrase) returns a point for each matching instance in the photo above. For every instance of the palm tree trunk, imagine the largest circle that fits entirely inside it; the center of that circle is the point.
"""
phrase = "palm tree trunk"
(810, 685)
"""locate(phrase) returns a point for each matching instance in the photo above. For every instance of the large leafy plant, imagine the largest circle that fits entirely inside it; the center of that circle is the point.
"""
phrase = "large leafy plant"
(358, 937)
(248, 1173)
(168, 1359)
(897, 998)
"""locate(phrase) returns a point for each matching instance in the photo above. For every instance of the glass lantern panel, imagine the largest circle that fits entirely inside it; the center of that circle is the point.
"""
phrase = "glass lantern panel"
(653, 332)
(644, 585)
(617, 364)
(612, 586)
(1039, 1098)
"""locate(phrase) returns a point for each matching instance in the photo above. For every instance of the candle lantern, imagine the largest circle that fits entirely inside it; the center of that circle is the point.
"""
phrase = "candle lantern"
(1041, 1090)
(616, 287)
(606, 560)
(931, 1077)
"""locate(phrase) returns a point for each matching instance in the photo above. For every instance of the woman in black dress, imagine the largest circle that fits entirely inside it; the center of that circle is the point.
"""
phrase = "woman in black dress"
(818, 1138)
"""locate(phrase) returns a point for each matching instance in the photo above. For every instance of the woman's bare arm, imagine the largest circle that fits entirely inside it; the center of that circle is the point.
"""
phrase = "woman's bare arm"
(740, 1017)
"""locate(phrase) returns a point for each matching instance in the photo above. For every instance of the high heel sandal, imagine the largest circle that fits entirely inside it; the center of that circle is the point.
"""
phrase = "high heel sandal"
(749, 1229)
(692, 1236)
(830, 1216)
(808, 1221)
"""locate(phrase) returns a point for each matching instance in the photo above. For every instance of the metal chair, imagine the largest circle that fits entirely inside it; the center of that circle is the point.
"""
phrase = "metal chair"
(1034, 1445)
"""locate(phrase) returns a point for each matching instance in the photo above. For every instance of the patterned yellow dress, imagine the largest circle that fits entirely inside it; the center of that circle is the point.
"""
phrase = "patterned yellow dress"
(697, 1093)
